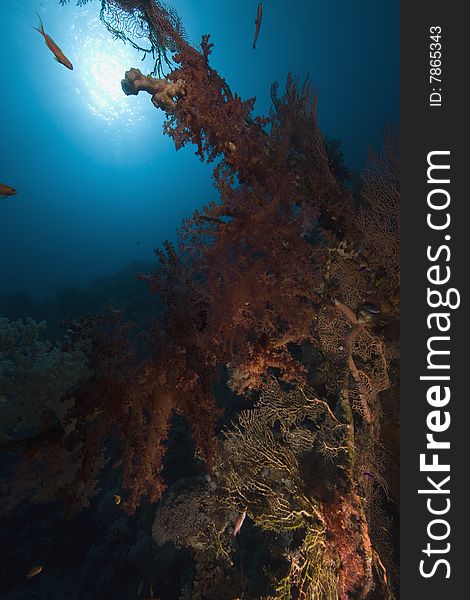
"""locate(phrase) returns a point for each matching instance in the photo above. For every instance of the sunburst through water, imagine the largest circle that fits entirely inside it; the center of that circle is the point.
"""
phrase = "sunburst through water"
(103, 63)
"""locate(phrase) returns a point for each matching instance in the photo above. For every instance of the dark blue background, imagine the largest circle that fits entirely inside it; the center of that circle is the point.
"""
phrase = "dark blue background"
(98, 183)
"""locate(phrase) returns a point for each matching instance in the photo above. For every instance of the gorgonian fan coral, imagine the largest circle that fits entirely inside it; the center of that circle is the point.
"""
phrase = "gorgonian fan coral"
(379, 220)
(150, 26)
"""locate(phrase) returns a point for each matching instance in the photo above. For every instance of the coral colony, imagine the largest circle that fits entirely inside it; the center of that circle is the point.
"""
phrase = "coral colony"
(281, 297)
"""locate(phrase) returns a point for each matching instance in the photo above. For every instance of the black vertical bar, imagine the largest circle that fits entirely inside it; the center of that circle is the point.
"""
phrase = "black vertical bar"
(437, 123)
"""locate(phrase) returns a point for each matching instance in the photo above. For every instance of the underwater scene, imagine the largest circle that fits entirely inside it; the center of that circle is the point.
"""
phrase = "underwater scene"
(199, 300)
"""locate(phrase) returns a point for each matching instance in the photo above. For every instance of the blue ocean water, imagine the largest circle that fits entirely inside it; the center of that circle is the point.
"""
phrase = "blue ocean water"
(98, 183)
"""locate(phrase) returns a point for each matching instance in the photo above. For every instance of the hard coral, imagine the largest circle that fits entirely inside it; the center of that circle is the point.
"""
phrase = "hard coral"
(163, 92)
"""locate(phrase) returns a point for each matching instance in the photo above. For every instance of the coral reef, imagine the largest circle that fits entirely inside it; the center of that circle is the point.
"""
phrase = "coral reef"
(379, 220)
(282, 292)
(287, 463)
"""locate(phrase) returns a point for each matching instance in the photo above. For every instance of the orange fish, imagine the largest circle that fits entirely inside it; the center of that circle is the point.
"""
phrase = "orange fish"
(6, 190)
(238, 523)
(34, 571)
(259, 17)
(53, 47)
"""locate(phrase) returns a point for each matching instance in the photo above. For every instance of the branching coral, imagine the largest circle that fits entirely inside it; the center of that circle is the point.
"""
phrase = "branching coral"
(278, 264)
(379, 220)
(361, 359)
(206, 112)
(124, 397)
(233, 297)
(263, 469)
(310, 576)
(253, 295)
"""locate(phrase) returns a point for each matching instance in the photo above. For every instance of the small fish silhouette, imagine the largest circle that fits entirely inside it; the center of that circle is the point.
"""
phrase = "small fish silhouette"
(53, 47)
(259, 18)
(117, 499)
(34, 571)
(239, 523)
(6, 190)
